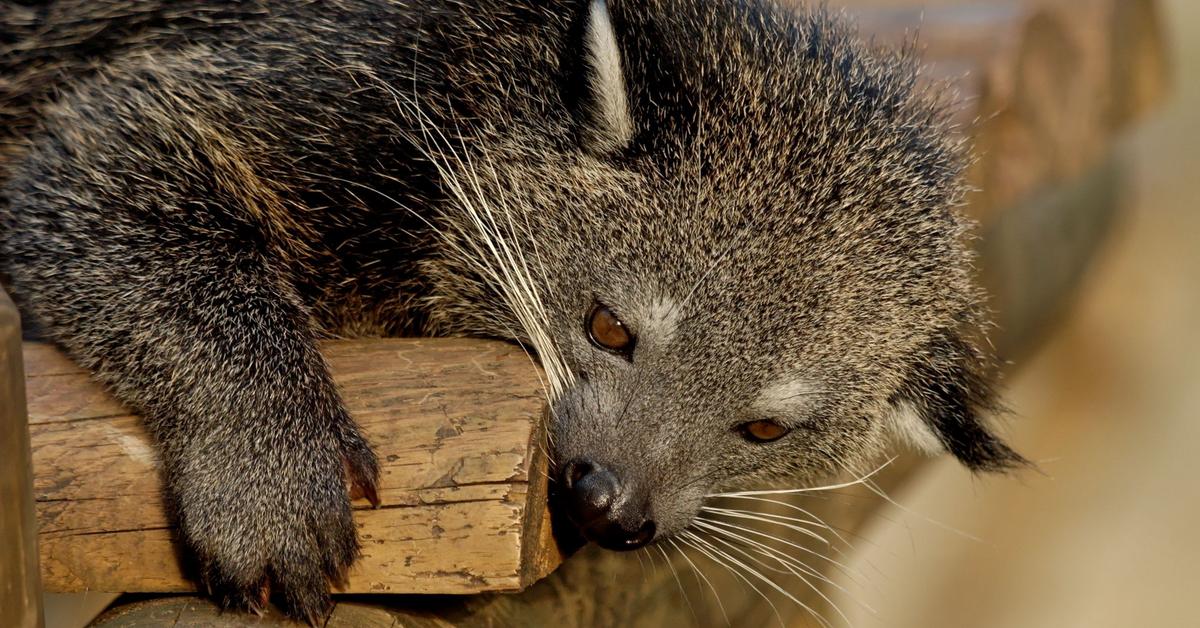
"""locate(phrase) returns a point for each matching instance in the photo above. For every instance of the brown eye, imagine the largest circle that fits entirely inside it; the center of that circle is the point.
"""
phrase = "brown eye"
(763, 431)
(608, 332)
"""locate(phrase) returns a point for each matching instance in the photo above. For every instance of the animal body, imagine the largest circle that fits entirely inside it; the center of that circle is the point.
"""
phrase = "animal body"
(726, 229)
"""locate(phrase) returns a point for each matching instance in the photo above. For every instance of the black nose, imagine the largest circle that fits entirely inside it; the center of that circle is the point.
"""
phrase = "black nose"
(596, 502)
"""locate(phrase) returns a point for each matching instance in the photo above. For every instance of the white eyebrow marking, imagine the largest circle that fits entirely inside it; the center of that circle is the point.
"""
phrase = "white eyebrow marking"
(660, 322)
(788, 396)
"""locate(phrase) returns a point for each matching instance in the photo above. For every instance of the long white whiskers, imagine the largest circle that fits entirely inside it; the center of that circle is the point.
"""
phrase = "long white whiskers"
(693, 540)
(788, 568)
(817, 521)
(700, 575)
(793, 564)
(814, 489)
(677, 581)
(843, 568)
(754, 572)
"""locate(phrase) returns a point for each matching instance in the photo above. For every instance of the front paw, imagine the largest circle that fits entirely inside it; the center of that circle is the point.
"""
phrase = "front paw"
(274, 521)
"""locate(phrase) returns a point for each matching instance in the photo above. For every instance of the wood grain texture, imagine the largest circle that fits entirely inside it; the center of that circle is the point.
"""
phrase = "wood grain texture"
(456, 426)
(20, 591)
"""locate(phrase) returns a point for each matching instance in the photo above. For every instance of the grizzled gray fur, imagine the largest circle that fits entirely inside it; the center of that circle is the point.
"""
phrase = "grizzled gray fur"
(708, 218)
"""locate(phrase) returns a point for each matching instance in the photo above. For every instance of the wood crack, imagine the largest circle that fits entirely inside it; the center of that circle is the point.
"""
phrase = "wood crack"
(71, 532)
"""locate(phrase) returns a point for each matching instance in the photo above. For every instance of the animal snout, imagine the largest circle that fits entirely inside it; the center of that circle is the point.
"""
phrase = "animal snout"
(599, 504)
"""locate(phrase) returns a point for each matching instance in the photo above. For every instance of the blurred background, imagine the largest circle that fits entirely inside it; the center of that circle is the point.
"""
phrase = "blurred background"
(1108, 407)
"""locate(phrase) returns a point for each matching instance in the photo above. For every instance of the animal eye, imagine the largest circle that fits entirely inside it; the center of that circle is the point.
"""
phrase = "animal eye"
(607, 331)
(763, 431)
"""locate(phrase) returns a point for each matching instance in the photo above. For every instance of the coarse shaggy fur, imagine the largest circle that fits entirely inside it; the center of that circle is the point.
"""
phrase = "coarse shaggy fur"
(194, 192)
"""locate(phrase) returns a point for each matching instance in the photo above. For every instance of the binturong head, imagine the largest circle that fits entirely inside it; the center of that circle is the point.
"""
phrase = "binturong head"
(746, 264)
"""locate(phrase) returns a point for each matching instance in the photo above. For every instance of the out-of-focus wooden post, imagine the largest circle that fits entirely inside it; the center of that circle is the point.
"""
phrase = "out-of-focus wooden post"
(20, 585)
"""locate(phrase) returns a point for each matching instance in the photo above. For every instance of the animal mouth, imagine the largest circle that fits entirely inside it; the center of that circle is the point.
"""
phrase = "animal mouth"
(619, 539)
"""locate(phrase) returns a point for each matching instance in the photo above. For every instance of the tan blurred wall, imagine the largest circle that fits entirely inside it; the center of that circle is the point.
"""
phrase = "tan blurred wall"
(1110, 409)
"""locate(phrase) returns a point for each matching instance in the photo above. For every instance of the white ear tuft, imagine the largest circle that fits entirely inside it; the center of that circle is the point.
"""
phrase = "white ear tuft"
(905, 424)
(611, 125)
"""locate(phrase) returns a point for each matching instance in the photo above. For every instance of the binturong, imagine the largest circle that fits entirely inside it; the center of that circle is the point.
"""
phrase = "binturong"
(726, 229)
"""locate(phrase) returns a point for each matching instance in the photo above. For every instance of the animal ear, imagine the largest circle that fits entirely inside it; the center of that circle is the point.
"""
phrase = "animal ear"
(943, 403)
(609, 125)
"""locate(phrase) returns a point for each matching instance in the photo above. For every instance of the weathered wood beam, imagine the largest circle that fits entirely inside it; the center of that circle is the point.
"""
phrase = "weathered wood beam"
(457, 428)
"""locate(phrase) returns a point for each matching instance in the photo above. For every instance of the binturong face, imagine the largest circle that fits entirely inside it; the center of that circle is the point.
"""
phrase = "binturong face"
(751, 268)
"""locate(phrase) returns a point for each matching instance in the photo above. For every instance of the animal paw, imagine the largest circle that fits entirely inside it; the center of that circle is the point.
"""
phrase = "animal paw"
(275, 521)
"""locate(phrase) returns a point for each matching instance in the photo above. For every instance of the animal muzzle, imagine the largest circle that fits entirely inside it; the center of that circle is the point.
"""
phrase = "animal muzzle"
(603, 508)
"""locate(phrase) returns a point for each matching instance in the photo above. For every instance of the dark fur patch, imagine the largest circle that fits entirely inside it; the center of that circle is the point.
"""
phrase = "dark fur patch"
(951, 391)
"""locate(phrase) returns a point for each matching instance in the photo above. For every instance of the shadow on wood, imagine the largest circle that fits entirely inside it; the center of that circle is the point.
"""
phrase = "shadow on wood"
(20, 593)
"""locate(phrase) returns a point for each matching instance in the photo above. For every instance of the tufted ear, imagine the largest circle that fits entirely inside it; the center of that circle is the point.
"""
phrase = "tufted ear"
(942, 404)
(609, 125)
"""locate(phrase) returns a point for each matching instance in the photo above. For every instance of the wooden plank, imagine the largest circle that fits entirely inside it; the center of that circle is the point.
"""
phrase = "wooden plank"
(20, 591)
(455, 423)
